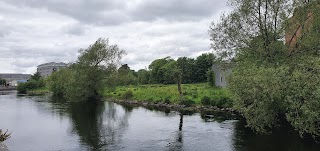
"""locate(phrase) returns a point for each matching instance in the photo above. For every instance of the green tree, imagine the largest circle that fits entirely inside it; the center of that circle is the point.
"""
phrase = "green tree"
(271, 82)
(143, 76)
(126, 76)
(88, 75)
(168, 71)
(250, 19)
(202, 64)
(187, 68)
(59, 81)
(156, 73)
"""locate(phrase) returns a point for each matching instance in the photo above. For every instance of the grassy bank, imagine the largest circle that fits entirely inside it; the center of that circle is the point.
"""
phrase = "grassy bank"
(41, 90)
(198, 94)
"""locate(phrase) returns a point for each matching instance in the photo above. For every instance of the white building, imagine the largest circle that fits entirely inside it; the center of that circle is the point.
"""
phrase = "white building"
(47, 69)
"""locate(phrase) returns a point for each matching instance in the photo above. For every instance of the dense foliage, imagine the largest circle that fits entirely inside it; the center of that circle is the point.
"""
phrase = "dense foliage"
(86, 79)
(161, 71)
(34, 82)
(273, 82)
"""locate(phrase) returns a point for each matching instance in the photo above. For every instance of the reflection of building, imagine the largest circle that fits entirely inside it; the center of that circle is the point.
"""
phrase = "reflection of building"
(48, 68)
(14, 79)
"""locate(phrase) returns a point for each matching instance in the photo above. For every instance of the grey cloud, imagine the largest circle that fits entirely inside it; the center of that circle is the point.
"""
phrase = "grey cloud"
(98, 12)
(74, 29)
(176, 9)
(33, 32)
(115, 12)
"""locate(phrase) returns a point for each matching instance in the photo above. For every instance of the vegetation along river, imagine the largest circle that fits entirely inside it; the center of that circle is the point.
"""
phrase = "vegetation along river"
(41, 123)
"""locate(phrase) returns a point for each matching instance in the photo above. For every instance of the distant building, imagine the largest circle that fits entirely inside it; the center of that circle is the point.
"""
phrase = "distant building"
(14, 78)
(47, 69)
(221, 71)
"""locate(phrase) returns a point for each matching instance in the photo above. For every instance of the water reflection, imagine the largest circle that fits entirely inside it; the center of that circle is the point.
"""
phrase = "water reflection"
(48, 123)
(98, 124)
(283, 139)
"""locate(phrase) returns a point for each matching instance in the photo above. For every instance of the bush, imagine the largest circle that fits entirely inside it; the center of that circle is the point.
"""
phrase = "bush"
(22, 88)
(167, 100)
(30, 85)
(206, 101)
(127, 95)
(223, 102)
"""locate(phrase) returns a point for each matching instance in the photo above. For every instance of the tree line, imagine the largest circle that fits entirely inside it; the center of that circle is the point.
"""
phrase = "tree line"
(161, 71)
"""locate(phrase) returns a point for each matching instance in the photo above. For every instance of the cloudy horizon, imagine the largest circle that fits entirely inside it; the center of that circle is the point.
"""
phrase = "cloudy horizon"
(33, 32)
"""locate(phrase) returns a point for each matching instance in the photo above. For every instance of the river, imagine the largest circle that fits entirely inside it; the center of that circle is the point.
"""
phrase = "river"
(43, 123)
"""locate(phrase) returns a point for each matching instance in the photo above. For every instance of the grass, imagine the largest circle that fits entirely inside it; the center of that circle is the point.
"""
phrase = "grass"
(164, 93)
(40, 90)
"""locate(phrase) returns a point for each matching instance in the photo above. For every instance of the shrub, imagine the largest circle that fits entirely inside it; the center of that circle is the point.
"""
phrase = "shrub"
(30, 85)
(206, 101)
(127, 95)
(223, 102)
(167, 100)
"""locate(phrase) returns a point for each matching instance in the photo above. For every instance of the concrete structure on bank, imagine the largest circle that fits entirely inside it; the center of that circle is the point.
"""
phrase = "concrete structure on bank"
(13, 79)
(221, 71)
(47, 69)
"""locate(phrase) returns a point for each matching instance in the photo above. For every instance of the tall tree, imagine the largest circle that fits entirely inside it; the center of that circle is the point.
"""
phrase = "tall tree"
(187, 68)
(143, 76)
(265, 19)
(156, 74)
(126, 76)
(88, 74)
(271, 82)
(202, 64)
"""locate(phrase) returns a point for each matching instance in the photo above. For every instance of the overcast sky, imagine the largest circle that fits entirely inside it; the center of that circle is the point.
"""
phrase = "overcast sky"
(33, 32)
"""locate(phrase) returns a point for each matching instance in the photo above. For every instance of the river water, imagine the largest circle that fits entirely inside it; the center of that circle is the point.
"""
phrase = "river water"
(43, 123)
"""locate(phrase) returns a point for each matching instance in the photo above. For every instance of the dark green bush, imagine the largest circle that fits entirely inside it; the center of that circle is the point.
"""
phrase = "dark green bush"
(127, 95)
(223, 102)
(167, 100)
(206, 101)
(22, 88)
(30, 85)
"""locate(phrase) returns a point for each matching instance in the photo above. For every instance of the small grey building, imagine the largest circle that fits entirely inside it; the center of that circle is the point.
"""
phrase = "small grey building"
(221, 71)
(47, 69)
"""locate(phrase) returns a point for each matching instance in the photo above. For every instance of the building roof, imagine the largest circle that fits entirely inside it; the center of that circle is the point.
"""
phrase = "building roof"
(14, 76)
(53, 64)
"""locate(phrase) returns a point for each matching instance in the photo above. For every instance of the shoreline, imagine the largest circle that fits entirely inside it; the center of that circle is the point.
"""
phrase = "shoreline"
(175, 107)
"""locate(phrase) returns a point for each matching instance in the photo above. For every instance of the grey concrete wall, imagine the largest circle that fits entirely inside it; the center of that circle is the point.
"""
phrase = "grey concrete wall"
(221, 76)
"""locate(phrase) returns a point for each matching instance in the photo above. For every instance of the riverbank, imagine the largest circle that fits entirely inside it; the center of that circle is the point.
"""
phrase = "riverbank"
(39, 91)
(194, 95)
(174, 107)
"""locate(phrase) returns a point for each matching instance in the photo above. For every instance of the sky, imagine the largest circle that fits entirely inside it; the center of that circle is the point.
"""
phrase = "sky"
(33, 32)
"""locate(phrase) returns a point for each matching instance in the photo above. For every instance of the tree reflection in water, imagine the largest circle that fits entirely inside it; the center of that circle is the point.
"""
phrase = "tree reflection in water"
(178, 140)
(98, 124)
